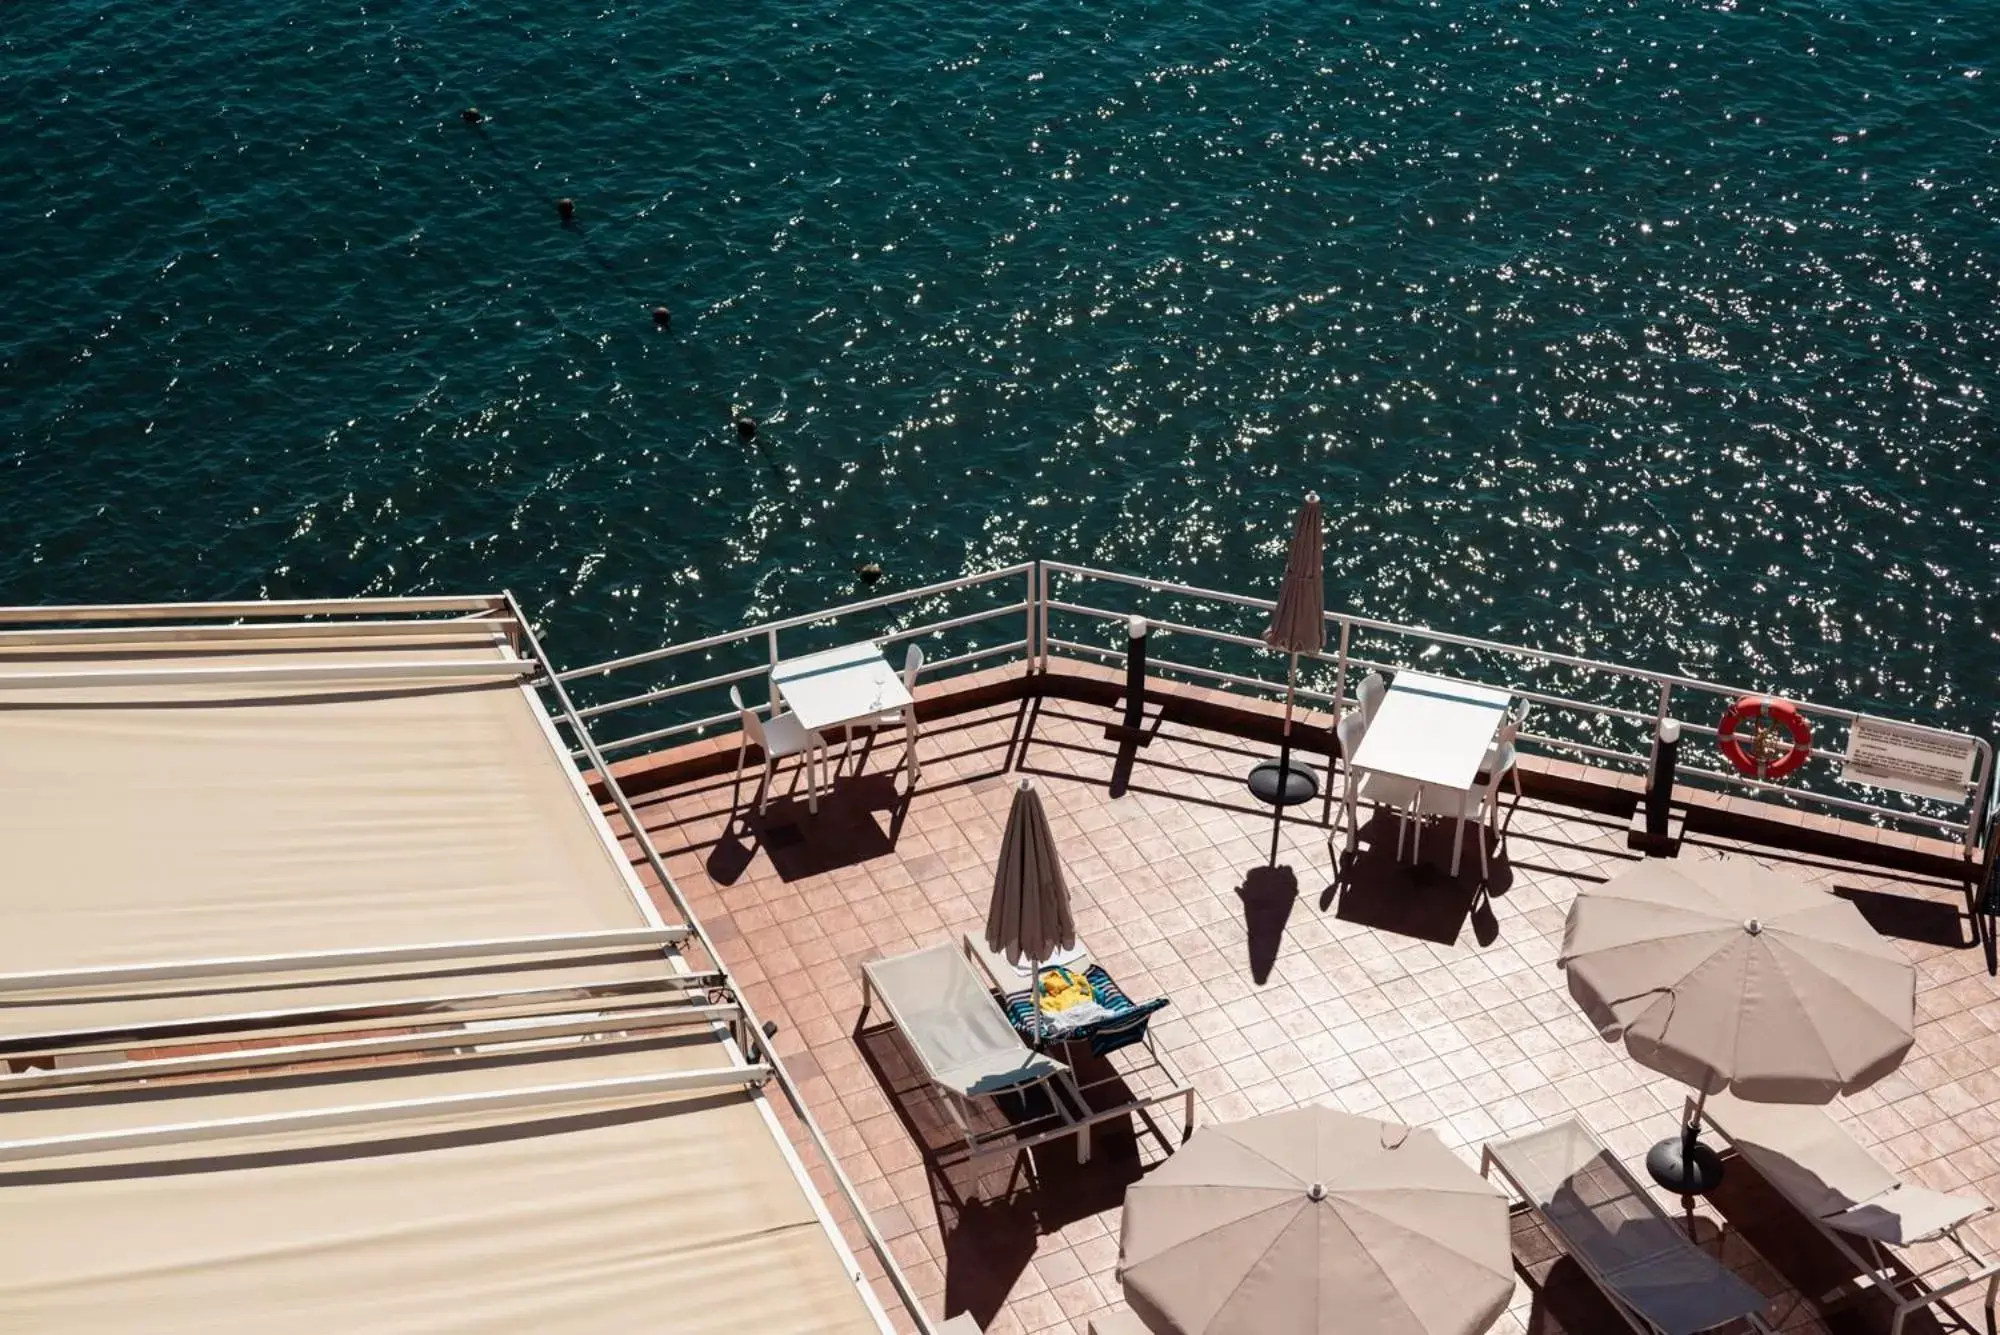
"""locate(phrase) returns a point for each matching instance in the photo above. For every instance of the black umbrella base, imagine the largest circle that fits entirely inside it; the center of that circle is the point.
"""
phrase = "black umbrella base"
(1283, 783)
(1684, 1166)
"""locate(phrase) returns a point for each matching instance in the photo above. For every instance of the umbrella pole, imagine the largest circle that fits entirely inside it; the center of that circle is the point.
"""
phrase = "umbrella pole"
(1681, 1163)
(1284, 757)
(1035, 998)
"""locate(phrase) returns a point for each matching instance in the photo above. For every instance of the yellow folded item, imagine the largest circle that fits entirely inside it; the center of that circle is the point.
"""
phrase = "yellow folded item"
(1062, 989)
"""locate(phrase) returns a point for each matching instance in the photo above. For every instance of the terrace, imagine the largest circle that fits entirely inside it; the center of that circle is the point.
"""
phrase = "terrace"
(1386, 990)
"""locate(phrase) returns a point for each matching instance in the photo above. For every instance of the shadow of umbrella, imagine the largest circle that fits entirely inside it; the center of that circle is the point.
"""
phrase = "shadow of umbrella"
(1268, 894)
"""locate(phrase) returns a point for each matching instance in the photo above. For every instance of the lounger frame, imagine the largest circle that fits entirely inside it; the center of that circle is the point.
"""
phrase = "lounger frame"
(960, 1105)
(1141, 1107)
(1907, 1287)
(1638, 1320)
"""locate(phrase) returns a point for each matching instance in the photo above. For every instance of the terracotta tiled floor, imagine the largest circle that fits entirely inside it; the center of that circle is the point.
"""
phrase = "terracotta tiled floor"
(1406, 995)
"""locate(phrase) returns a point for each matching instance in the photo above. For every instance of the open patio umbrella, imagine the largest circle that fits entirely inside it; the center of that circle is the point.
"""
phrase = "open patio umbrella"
(1298, 626)
(1311, 1221)
(1029, 919)
(1726, 975)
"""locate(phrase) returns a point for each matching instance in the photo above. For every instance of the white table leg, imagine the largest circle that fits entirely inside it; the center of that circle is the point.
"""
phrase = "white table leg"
(1458, 838)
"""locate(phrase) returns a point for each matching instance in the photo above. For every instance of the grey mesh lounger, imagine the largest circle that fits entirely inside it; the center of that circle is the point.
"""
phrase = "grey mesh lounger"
(1659, 1281)
(968, 1049)
(1858, 1205)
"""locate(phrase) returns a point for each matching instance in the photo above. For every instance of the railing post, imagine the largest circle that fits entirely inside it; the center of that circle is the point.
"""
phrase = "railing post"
(1340, 675)
(1653, 828)
(1029, 650)
(773, 676)
(1136, 630)
(1045, 615)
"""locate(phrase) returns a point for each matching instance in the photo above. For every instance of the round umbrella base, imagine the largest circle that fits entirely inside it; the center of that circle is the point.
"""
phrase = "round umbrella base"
(1684, 1166)
(1283, 784)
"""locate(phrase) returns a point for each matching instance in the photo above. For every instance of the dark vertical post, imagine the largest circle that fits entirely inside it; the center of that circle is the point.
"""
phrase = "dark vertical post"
(1660, 786)
(1137, 629)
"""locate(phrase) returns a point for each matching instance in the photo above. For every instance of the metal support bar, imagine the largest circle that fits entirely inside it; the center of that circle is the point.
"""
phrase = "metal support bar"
(233, 966)
(534, 1029)
(382, 670)
(66, 636)
(533, 1099)
(274, 608)
(299, 1021)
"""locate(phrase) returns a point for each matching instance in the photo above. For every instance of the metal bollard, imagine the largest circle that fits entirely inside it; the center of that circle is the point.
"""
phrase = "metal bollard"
(1137, 629)
(1660, 785)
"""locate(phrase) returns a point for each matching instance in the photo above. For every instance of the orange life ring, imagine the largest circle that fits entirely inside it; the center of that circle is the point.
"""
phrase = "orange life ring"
(1761, 757)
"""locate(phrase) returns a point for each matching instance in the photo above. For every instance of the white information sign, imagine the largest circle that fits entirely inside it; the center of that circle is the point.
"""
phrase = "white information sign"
(1881, 754)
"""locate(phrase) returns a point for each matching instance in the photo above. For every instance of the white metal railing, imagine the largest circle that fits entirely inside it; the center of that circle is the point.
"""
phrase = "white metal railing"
(1605, 713)
(764, 643)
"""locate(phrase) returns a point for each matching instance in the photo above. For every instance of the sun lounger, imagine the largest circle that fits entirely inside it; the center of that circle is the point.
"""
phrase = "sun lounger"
(1116, 1323)
(1861, 1207)
(1658, 1280)
(944, 1011)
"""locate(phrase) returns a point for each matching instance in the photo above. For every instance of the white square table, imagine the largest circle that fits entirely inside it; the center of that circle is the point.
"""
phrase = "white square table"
(1434, 730)
(844, 686)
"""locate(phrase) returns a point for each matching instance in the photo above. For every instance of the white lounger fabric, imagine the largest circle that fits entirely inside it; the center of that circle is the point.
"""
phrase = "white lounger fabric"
(949, 1017)
(1806, 1155)
(1617, 1231)
(627, 1214)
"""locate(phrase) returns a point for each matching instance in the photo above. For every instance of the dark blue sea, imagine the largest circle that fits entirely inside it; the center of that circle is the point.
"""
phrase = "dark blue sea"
(1655, 330)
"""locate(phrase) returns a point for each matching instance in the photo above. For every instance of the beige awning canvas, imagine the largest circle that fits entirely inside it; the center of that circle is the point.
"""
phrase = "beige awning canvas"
(164, 818)
(1728, 975)
(665, 1212)
(197, 821)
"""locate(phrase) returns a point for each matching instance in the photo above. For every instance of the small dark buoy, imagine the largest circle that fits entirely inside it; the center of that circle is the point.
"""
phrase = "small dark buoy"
(567, 208)
(746, 428)
(870, 572)
(662, 318)
(471, 116)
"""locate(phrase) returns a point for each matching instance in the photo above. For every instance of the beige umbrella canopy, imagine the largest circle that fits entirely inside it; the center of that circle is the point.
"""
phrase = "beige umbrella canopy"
(1314, 1221)
(1725, 975)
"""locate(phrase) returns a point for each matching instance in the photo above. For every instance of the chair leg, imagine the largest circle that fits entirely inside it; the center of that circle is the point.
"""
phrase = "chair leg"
(764, 788)
(1485, 867)
(1515, 770)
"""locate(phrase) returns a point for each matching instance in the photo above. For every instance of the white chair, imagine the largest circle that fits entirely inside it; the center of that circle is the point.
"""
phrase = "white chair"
(1373, 688)
(1501, 756)
(906, 719)
(1480, 802)
(1379, 789)
(783, 736)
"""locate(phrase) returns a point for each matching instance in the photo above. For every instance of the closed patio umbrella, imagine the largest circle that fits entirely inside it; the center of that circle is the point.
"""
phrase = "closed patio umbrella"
(1298, 626)
(1315, 1221)
(1029, 919)
(1727, 975)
